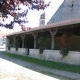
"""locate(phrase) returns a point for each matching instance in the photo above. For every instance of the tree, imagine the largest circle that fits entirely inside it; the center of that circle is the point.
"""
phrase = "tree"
(13, 8)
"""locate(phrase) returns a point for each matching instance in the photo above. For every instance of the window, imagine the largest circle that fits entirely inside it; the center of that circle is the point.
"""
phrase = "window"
(42, 22)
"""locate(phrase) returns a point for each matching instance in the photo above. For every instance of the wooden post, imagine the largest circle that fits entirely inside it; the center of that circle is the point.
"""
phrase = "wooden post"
(7, 42)
(53, 35)
(35, 41)
(52, 46)
(22, 36)
(14, 37)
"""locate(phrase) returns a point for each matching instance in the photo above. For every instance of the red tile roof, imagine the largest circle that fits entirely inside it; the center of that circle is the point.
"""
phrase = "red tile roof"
(54, 25)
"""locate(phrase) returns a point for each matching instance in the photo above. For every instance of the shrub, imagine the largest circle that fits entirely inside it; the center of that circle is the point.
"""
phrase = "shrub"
(16, 48)
(41, 42)
(8, 47)
(64, 51)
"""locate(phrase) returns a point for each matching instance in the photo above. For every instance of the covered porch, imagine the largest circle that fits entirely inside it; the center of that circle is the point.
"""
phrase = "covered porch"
(26, 42)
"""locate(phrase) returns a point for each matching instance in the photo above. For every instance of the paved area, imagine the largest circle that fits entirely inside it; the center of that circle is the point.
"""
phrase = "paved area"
(14, 69)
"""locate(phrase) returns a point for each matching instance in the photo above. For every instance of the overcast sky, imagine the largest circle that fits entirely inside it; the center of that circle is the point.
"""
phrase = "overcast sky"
(33, 16)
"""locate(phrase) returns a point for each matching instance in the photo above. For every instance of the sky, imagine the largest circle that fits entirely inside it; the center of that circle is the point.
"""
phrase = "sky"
(33, 16)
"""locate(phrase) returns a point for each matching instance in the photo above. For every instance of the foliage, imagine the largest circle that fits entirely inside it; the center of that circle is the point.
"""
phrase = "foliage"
(17, 44)
(41, 49)
(14, 9)
(41, 42)
(64, 51)
(8, 47)
(64, 39)
(49, 64)
(16, 48)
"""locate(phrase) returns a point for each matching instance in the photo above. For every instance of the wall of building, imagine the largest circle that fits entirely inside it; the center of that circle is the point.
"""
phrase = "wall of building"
(73, 57)
(66, 11)
(29, 42)
(41, 22)
(20, 51)
(48, 43)
(73, 43)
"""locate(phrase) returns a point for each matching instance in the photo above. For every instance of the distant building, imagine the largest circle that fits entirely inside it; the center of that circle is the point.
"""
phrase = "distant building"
(42, 20)
(2, 38)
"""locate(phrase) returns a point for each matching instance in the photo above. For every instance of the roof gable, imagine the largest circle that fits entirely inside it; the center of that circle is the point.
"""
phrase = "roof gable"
(67, 11)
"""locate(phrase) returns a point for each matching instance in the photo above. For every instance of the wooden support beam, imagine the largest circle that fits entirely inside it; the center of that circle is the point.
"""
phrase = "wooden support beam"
(35, 41)
(22, 36)
(53, 33)
(14, 37)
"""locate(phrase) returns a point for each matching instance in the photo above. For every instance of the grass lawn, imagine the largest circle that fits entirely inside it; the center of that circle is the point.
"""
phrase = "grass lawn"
(49, 64)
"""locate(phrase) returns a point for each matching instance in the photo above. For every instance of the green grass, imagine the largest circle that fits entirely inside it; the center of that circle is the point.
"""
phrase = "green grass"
(49, 64)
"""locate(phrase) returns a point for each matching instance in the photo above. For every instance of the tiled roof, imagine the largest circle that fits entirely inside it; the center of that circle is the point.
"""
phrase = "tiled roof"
(3, 34)
(49, 26)
(42, 16)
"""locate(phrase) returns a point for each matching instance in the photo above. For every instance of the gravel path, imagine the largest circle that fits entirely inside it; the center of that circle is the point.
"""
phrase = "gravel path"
(14, 69)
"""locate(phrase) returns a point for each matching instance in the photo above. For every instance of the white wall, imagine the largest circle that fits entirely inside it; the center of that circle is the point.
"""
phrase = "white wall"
(42, 22)
(20, 51)
(73, 57)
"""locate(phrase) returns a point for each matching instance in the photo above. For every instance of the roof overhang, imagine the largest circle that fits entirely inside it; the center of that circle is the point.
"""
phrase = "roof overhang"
(54, 26)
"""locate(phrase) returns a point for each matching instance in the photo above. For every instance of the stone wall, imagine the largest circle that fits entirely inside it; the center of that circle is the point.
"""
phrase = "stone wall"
(73, 57)
(20, 51)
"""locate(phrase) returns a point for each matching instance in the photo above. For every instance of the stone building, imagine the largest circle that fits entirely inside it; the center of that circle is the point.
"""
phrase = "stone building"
(42, 19)
(65, 21)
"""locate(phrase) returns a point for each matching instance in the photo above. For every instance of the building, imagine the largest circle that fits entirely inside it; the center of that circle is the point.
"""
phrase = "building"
(65, 21)
(69, 10)
(42, 20)
(2, 39)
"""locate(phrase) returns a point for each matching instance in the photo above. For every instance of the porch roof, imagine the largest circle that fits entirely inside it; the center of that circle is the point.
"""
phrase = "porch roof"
(63, 24)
